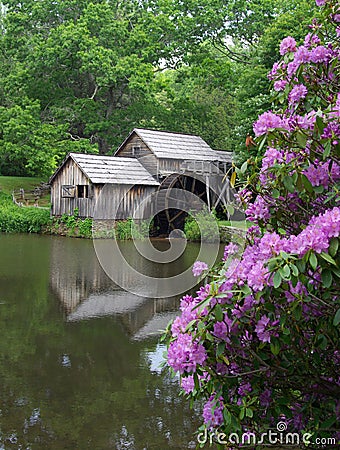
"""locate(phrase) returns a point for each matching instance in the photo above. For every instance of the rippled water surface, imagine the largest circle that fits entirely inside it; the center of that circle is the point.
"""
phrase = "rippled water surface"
(79, 357)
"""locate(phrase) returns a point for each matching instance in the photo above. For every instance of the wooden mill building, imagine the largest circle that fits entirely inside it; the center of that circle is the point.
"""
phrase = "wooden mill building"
(78, 183)
(147, 162)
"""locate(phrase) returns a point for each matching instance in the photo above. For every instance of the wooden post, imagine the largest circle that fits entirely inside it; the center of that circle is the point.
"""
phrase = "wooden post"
(208, 190)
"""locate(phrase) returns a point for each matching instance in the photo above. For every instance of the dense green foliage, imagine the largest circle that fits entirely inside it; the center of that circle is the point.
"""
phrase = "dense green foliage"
(15, 219)
(72, 226)
(199, 226)
(78, 76)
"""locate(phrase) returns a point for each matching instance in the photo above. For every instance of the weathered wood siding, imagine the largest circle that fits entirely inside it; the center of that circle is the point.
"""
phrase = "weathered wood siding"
(121, 202)
(71, 175)
(109, 201)
(167, 166)
(144, 155)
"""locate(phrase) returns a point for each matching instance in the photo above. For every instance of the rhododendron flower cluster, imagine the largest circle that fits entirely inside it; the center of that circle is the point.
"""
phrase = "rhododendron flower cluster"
(185, 353)
(261, 339)
(268, 121)
(199, 267)
(297, 93)
(287, 45)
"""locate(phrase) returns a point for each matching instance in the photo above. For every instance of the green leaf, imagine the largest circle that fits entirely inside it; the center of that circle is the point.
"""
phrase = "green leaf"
(244, 167)
(307, 184)
(233, 179)
(277, 280)
(269, 306)
(327, 278)
(245, 289)
(200, 326)
(275, 193)
(301, 265)
(284, 255)
(333, 246)
(220, 349)
(336, 319)
(336, 271)
(320, 124)
(249, 412)
(190, 324)
(218, 313)
(328, 258)
(301, 139)
(313, 260)
(294, 269)
(288, 183)
(327, 150)
(328, 423)
(261, 145)
(227, 416)
(285, 271)
(319, 189)
(275, 348)
(297, 312)
(322, 342)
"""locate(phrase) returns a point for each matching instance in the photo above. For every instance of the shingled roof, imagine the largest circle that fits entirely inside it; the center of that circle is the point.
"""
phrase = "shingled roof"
(108, 169)
(165, 144)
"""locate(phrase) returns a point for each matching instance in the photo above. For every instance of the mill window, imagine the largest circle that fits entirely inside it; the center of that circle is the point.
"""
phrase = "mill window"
(82, 191)
(136, 150)
(67, 191)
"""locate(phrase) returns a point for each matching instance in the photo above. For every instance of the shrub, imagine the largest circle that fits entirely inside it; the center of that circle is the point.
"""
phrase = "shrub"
(15, 219)
(201, 225)
(259, 343)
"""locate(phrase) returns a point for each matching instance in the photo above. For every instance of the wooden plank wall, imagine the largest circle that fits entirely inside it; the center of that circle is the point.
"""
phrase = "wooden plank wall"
(70, 174)
(121, 201)
(146, 157)
(170, 165)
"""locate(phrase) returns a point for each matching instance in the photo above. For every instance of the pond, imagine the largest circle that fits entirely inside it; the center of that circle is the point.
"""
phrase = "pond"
(80, 357)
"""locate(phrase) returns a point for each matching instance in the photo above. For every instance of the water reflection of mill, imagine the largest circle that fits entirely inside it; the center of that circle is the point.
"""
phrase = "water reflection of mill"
(86, 292)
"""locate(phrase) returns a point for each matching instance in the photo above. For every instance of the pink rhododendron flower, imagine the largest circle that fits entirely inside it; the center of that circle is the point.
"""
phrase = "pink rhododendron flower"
(287, 45)
(199, 267)
(280, 85)
(259, 210)
(230, 249)
(213, 412)
(298, 93)
(320, 54)
(268, 121)
(184, 354)
(188, 384)
(264, 329)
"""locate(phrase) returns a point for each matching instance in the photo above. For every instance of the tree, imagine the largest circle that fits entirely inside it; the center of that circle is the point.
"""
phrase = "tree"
(90, 63)
(260, 342)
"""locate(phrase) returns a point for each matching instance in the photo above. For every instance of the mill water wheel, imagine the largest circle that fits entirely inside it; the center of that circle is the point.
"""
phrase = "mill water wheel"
(173, 208)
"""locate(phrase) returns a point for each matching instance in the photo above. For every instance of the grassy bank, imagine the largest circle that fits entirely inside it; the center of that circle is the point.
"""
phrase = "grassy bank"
(28, 185)
(15, 219)
(8, 184)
